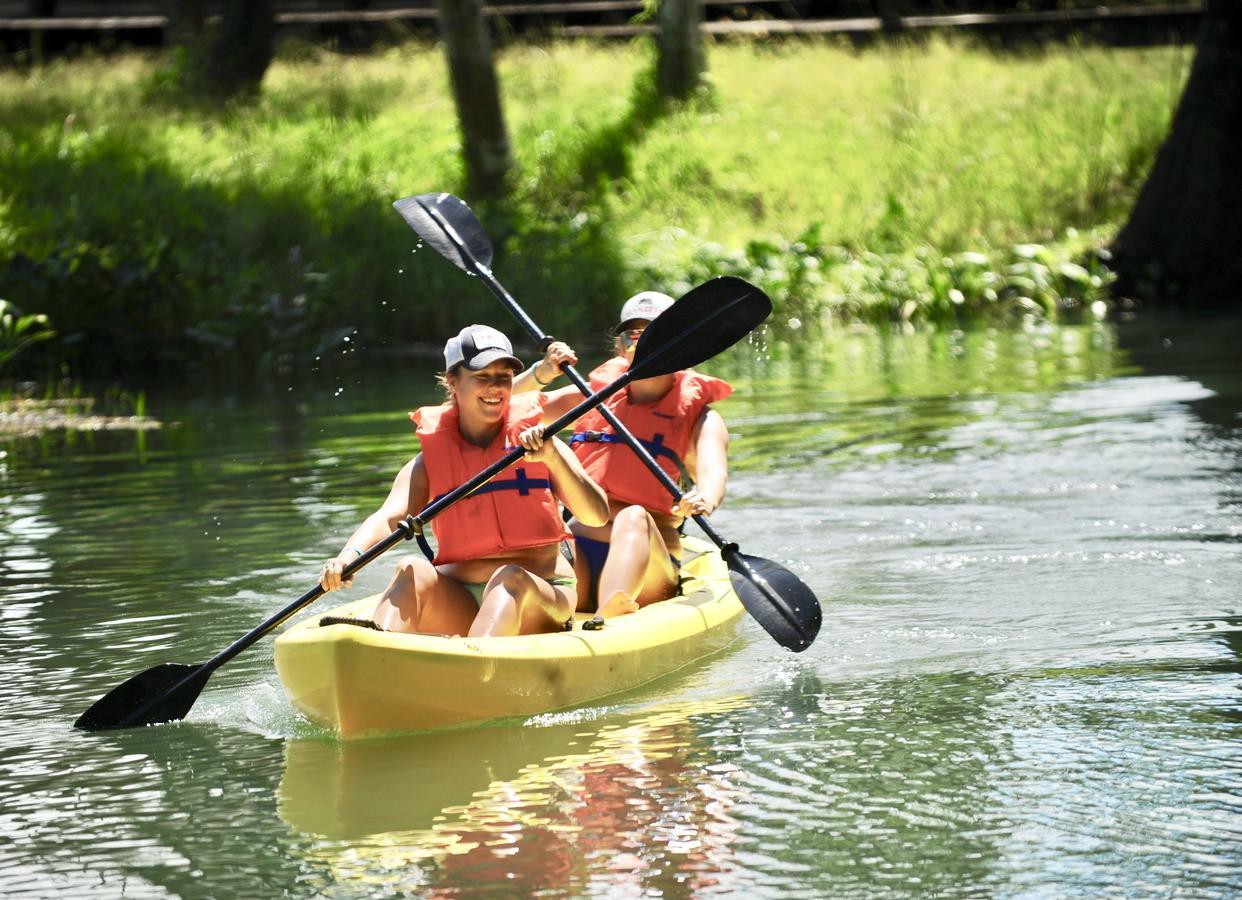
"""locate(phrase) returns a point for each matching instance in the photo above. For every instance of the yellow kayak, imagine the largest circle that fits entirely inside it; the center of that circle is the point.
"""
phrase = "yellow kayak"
(361, 682)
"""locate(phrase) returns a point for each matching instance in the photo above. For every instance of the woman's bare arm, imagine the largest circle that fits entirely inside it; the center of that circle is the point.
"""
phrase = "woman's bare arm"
(710, 440)
(570, 482)
(547, 370)
(407, 495)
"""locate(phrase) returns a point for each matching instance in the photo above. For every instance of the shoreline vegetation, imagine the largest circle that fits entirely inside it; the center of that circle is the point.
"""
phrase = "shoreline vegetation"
(29, 410)
(936, 184)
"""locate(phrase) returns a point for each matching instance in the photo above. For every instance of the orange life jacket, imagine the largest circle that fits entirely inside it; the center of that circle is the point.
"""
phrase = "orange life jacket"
(607, 372)
(516, 509)
(664, 428)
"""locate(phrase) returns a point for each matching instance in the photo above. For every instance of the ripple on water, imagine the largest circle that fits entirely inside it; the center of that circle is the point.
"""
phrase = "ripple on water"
(1027, 681)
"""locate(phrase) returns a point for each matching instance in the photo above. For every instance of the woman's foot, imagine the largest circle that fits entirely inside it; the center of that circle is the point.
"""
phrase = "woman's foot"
(619, 604)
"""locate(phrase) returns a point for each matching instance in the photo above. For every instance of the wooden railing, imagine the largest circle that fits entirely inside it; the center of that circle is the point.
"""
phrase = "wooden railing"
(775, 25)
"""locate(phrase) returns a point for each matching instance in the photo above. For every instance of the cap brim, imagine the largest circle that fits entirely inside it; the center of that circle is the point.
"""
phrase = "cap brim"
(487, 357)
(627, 325)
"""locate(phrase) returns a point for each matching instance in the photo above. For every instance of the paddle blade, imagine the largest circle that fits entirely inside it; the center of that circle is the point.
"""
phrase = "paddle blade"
(777, 598)
(449, 227)
(705, 321)
(163, 693)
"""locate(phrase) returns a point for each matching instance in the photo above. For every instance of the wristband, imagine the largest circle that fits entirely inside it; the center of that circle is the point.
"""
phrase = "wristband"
(355, 549)
(534, 373)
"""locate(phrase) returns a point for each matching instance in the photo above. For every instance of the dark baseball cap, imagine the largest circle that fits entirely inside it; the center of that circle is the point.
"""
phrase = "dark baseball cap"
(478, 346)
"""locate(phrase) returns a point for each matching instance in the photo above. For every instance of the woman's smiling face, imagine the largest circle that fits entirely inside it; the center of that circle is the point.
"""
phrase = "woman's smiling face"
(483, 395)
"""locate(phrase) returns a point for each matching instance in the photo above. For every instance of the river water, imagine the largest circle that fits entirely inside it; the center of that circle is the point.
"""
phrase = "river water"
(1027, 683)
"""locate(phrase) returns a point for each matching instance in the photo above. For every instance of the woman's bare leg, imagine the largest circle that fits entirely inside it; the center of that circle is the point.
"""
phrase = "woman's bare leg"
(638, 570)
(582, 570)
(517, 602)
(420, 599)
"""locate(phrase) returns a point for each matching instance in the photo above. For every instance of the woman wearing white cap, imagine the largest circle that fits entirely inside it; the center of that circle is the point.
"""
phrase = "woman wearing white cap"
(497, 568)
(633, 559)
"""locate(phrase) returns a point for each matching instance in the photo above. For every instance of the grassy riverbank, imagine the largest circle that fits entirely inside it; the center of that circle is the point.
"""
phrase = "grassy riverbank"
(938, 183)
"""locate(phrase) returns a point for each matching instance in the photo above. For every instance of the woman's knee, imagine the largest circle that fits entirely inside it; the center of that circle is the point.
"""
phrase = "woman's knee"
(416, 567)
(633, 520)
(414, 576)
(512, 577)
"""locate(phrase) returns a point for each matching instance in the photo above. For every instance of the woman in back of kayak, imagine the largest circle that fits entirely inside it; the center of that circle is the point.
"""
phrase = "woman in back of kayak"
(633, 559)
(497, 568)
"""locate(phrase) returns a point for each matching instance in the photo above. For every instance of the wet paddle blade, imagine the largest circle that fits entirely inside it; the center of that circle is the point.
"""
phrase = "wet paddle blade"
(430, 214)
(163, 693)
(778, 599)
(705, 321)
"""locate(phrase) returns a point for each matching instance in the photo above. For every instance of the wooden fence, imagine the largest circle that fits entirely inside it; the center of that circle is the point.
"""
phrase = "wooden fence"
(758, 17)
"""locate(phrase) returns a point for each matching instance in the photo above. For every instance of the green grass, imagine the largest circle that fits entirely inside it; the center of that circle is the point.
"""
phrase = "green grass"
(159, 232)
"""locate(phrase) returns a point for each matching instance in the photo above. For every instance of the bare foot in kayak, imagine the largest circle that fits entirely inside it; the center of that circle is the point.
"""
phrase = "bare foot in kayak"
(619, 604)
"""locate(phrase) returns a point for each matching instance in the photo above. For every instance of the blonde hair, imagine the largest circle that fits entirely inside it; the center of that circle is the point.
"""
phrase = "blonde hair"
(445, 380)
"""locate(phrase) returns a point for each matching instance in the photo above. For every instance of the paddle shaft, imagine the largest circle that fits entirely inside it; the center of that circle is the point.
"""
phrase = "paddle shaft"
(403, 532)
(507, 300)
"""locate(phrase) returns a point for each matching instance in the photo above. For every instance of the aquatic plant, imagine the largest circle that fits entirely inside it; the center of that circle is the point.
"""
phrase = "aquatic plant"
(19, 332)
(811, 283)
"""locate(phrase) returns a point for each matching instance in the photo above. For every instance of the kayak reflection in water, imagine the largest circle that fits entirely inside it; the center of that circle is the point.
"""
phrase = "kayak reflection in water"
(633, 559)
(497, 569)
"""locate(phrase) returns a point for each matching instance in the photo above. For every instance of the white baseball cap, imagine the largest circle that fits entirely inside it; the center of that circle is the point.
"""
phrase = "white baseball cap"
(643, 306)
(478, 346)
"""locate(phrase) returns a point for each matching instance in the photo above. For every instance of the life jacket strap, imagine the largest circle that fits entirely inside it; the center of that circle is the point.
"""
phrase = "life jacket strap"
(422, 541)
(655, 447)
(520, 482)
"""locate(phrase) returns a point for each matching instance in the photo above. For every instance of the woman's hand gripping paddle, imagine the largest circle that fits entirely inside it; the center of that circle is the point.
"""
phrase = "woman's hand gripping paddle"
(780, 601)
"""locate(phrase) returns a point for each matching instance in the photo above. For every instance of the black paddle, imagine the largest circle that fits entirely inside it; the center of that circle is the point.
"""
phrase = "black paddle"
(165, 693)
(711, 318)
(780, 601)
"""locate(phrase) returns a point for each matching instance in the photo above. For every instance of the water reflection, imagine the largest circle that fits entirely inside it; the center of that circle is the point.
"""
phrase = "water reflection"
(639, 805)
(876, 396)
(1027, 682)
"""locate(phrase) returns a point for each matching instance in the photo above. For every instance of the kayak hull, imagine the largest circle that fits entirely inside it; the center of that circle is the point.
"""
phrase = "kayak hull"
(361, 682)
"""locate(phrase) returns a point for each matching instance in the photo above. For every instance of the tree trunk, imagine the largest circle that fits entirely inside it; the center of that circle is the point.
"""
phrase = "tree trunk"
(39, 9)
(241, 49)
(476, 93)
(889, 15)
(1182, 245)
(185, 22)
(680, 65)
